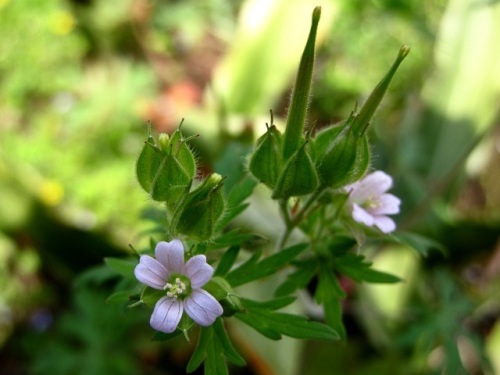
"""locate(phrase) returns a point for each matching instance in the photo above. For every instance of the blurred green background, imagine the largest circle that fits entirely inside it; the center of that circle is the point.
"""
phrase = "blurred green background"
(80, 79)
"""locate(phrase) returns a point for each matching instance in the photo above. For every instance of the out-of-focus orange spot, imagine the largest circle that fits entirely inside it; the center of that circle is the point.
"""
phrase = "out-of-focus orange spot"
(172, 104)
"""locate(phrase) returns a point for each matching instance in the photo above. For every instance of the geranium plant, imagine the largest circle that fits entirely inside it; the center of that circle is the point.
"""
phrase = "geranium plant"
(324, 187)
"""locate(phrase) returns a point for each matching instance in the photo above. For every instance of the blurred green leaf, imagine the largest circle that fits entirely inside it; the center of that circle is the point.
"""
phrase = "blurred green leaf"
(421, 244)
(355, 267)
(124, 267)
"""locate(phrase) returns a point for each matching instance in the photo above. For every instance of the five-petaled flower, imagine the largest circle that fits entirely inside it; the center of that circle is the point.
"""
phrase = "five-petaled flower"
(370, 203)
(182, 283)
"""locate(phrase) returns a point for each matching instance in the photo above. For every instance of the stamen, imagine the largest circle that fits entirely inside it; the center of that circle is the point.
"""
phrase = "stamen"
(174, 290)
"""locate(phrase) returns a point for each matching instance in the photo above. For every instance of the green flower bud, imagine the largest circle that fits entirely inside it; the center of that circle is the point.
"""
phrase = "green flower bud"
(298, 176)
(222, 291)
(201, 210)
(266, 161)
(166, 169)
(182, 152)
(170, 182)
(148, 163)
(164, 142)
(341, 157)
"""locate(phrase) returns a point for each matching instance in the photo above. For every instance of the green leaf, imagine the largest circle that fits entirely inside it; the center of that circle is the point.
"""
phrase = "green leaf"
(423, 245)
(329, 293)
(213, 345)
(241, 191)
(162, 336)
(261, 326)
(214, 361)
(333, 315)
(341, 244)
(355, 267)
(228, 239)
(229, 351)
(150, 296)
(199, 353)
(297, 326)
(299, 279)
(251, 270)
(124, 267)
(121, 296)
(226, 261)
(274, 304)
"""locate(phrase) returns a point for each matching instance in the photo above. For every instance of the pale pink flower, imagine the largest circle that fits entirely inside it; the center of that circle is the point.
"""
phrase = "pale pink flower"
(182, 283)
(370, 203)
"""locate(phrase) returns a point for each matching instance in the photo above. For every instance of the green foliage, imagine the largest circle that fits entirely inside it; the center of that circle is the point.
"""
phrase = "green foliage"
(78, 82)
(252, 269)
(272, 324)
(213, 346)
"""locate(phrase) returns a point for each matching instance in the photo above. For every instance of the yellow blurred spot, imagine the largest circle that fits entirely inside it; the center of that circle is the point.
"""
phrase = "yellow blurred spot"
(62, 23)
(493, 347)
(3, 3)
(51, 193)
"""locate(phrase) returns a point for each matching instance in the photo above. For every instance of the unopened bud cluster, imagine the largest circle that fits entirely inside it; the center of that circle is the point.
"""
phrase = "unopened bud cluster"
(166, 170)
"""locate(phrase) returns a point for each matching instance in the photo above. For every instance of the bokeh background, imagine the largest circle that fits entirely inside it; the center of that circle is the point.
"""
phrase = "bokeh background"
(79, 81)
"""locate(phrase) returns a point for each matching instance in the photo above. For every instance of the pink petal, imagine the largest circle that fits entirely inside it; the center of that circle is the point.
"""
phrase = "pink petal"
(374, 184)
(198, 271)
(388, 204)
(202, 307)
(151, 272)
(166, 315)
(171, 255)
(385, 224)
(361, 216)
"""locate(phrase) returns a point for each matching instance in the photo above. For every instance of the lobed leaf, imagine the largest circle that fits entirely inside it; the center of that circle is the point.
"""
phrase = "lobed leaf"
(273, 324)
(355, 267)
(298, 279)
(226, 261)
(251, 270)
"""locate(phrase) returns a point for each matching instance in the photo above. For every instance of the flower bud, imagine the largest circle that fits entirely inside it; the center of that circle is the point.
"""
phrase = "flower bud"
(341, 157)
(166, 169)
(266, 161)
(148, 163)
(298, 176)
(201, 210)
(183, 153)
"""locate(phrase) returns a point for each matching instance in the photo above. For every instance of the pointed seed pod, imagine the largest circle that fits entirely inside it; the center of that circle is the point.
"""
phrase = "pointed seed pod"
(298, 176)
(266, 161)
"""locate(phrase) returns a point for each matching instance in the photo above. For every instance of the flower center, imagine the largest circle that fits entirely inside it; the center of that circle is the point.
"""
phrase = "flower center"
(372, 202)
(176, 288)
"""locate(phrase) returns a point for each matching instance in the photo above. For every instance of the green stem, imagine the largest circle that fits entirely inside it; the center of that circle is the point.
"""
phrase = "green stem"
(291, 223)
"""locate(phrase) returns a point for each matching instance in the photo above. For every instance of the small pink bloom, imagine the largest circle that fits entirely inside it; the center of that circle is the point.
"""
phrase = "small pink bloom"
(370, 203)
(182, 283)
